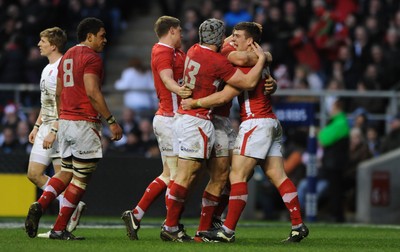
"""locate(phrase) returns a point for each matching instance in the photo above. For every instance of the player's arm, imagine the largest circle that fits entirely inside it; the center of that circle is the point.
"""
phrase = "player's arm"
(249, 81)
(92, 87)
(270, 85)
(58, 94)
(167, 77)
(213, 100)
(246, 58)
(32, 134)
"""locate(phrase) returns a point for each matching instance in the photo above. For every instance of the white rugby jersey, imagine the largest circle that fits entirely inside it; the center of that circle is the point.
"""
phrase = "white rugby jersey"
(48, 84)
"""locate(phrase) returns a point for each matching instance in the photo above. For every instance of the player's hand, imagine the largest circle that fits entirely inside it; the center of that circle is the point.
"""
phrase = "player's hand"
(270, 85)
(184, 92)
(269, 58)
(49, 140)
(187, 104)
(32, 135)
(116, 131)
(258, 51)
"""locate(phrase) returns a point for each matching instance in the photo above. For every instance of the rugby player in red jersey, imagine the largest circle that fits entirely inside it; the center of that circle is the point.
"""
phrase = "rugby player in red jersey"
(167, 64)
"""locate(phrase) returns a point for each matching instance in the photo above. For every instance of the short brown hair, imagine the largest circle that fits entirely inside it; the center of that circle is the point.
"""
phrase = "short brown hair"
(56, 36)
(251, 29)
(164, 23)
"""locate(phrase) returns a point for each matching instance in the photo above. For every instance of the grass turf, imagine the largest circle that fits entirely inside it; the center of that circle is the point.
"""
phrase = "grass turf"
(108, 234)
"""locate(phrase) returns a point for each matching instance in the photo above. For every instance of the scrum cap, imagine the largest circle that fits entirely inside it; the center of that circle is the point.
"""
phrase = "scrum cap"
(212, 32)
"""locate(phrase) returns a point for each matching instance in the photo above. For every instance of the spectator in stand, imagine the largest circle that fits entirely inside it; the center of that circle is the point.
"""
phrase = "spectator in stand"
(11, 117)
(379, 60)
(375, 29)
(171, 8)
(333, 85)
(282, 77)
(133, 145)
(137, 82)
(22, 134)
(303, 72)
(34, 65)
(304, 50)
(321, 32)
(373, 140)
(392, 140)
(360, 120)
(391, 47)
(361, 47)
(128, 120)
(74, 9)
(12, 61)
(206, 9)
(10, 144)
(189, 29)
(238, 12)
(358, 152)
(370, 104)
(350, 70)
(147, 132)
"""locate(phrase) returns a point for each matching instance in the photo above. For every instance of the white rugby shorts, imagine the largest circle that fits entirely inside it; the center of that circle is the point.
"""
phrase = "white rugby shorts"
(163, 127)
(81, 139)
(38, 153)
(225, 136)
(259, 138)
(195, 137)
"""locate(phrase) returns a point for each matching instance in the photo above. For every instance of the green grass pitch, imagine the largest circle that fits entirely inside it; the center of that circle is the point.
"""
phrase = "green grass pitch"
(108, 234)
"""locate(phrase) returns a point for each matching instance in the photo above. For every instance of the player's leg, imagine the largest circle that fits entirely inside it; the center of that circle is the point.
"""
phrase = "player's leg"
(39, 160)
(162, 127)
(195, 138)
(225, 137)
(275, 172)
(186, 174)
(55, 187)
(242, 167)
(218, 169)
(36, 174)
(153, 191)
(83, 170)
(133, 217)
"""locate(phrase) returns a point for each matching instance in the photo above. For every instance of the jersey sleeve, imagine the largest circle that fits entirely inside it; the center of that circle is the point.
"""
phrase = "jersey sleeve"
(164, 60)
(227, 49)
(226, 69)
(93, 65)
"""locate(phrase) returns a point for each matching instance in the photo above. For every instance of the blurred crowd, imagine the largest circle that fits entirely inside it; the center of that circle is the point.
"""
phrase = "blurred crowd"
(21, 21)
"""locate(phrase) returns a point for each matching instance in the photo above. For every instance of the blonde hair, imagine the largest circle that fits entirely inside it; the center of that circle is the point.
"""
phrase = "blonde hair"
(56, 36)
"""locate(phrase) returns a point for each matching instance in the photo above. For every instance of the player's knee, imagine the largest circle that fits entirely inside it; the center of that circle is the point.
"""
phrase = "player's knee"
(164, 178)
(172, 163)
(79, 183)
(66, 165)
(84, 169)
(34, 175)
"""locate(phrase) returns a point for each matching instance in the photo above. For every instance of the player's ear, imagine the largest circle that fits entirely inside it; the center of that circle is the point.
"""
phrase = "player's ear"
(250, 41)
(89, 37)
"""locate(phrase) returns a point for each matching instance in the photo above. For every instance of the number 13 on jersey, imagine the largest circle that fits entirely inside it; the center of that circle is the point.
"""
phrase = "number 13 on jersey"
(191, 70)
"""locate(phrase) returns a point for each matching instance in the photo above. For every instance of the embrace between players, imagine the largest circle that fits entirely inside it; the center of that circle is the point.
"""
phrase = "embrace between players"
(194, 132)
